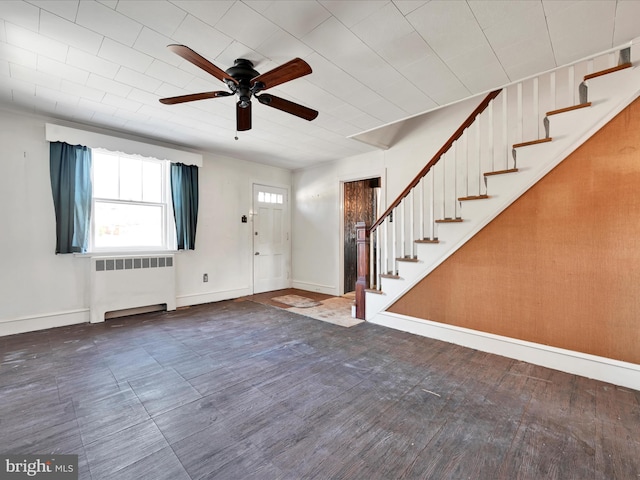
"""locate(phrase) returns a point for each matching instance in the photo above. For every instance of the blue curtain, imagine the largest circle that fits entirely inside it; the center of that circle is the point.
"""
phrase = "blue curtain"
(70, 169)
(184, 192)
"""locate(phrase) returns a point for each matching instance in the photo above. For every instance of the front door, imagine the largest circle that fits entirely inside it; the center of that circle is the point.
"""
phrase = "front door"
(271, 252)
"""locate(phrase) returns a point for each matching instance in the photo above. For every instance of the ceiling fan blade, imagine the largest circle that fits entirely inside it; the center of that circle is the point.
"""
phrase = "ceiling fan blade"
(200, 61)
(291, 70)
(243, 117)
(287, 106)
(194, 96)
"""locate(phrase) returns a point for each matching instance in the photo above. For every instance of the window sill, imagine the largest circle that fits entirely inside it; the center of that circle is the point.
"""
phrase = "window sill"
(125, 253)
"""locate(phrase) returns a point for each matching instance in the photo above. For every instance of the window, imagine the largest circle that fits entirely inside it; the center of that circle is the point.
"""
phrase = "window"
(131, 203)
(266, 197)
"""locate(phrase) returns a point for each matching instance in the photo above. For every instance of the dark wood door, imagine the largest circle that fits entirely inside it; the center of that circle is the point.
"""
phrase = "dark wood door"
(360, 199)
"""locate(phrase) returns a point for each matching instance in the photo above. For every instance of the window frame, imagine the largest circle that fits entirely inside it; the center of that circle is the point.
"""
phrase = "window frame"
(270, 198)
(168, 240)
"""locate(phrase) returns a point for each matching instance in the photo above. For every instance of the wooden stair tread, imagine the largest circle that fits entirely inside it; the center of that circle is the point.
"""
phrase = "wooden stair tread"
(532, 142)
(407, 259)
(473, 197)
(501, 172)
(371, 290)
(427, 240)
(449, 220)
(568, 109)
(617, 68)
(390, 275)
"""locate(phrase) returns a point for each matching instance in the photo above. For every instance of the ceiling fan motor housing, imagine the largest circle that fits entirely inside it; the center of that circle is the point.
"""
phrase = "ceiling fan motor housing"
(242, 71)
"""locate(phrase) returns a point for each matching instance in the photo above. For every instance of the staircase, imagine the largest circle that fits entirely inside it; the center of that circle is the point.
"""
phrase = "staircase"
(515, 136)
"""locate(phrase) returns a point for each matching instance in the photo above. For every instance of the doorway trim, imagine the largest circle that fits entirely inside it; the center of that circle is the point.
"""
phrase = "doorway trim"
(354, 177)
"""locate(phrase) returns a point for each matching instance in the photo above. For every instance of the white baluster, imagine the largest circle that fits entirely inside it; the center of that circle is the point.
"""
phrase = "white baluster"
(478, 154)
(552, 89)
(432, 205)
(372, 259)
(385, 260)
(412, 243)
(377, 281)
(536, 107)
(572, 86)
(505, 129)
(454, 153)
(519, 115)
(421, 208)
(444, 208)
(465, 158)
(393, 240)
(490, 135)
(402, 208)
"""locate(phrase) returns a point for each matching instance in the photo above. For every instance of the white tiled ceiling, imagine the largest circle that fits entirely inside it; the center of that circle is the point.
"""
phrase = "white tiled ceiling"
(105, 63)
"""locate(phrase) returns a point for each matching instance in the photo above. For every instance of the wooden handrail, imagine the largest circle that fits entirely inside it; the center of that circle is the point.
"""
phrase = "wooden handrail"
(458, 133)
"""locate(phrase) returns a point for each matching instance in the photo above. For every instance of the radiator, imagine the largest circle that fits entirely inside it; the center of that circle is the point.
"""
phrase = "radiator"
(125, 282)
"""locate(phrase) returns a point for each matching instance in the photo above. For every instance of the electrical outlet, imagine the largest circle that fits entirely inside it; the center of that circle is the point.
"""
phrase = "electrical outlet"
(205, 277)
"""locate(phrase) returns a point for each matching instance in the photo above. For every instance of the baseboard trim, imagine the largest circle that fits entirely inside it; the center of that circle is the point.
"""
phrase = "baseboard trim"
(591, 366)
(315, 287)
(31, 323)
(209, 297)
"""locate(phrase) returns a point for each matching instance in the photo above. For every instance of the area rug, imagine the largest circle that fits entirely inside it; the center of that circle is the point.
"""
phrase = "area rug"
(336, 310)
(296, 301)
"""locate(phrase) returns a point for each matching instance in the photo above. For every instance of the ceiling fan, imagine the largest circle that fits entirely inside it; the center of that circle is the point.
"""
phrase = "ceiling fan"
(245, 82)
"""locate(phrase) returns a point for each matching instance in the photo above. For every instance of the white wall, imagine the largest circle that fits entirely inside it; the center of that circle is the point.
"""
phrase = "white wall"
(317, 210)
(34, 282)
(39, 289)
(316, 219)
(224, 245)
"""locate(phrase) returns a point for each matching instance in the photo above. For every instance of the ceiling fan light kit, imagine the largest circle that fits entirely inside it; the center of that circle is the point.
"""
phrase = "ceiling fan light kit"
(245, 82)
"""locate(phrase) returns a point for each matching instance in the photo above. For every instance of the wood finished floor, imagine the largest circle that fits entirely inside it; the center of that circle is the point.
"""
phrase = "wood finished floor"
(243, 390)
(266, 298)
